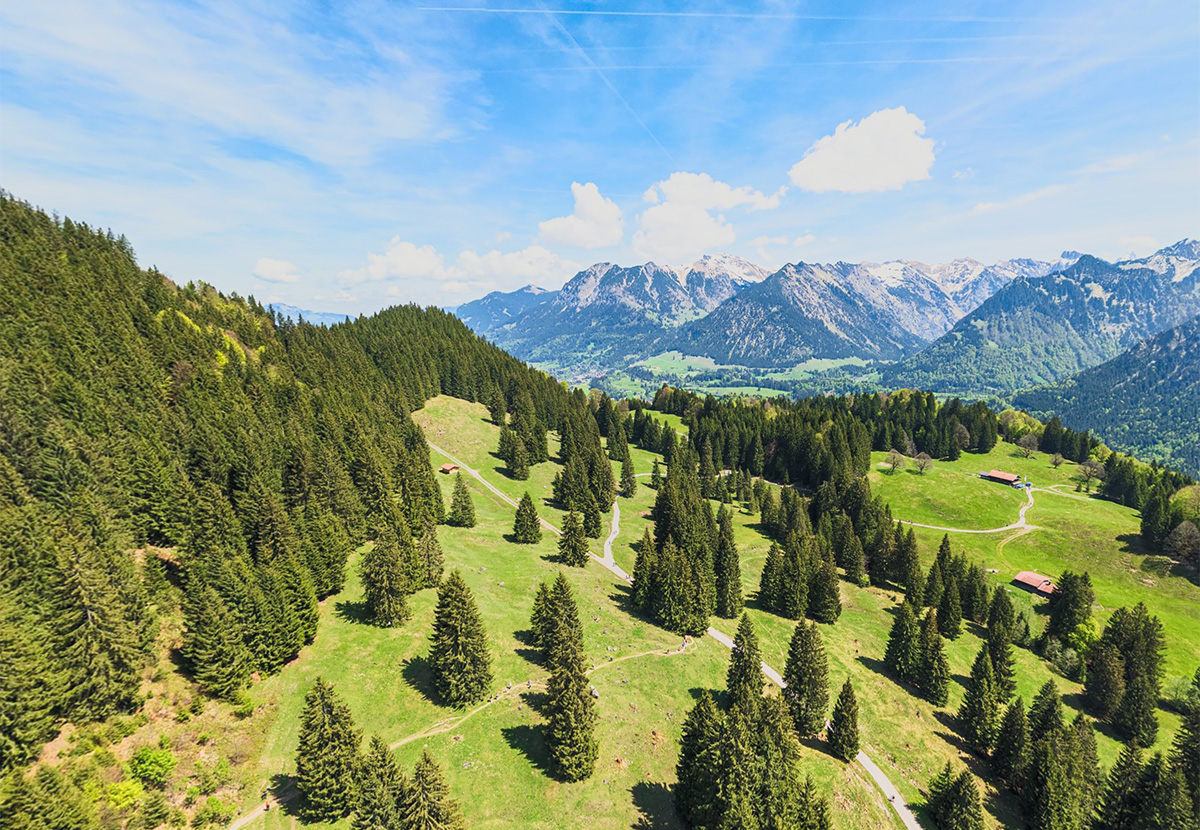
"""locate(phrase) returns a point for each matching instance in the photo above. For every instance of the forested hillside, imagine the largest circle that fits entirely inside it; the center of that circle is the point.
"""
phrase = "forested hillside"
(1145, 400)
(149, 430)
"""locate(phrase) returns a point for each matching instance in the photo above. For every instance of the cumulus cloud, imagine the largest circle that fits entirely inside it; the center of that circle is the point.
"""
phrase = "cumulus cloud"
(965, 173)
(884, 151)
(676, 232)
(701, 190)
(404, 266)
(595, 223)
(679, 227)
(801, 241)
(275, 270)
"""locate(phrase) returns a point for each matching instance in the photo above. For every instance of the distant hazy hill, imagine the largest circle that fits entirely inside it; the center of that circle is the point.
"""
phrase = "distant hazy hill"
(320, 318)
(1145, 401)
(1040, 329)
(500, 308)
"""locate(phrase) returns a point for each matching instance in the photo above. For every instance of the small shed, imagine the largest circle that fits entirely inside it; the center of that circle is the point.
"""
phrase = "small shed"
(1002, 477)
(1035, 583)
(448, 468)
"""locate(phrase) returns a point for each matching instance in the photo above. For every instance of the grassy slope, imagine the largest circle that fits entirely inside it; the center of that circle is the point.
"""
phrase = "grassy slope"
(495, 758)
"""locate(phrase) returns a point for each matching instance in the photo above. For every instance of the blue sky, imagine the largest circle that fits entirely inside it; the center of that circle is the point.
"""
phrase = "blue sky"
(347, 156)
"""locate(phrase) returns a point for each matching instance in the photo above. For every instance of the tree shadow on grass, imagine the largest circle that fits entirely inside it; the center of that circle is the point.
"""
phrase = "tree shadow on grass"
(655, 805)
(530, 741)
(817, 745)
(354, 612)
(877, 666)
(283, 795)
(418, 674)
(529, 652)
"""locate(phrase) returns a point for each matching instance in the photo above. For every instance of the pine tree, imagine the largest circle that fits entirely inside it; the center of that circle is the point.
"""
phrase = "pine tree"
(462, 509)
(1119, 803)
(541, 621)
(381, 787)
(1046, 711)
(852, 558)
(429, 555)
(1185, 752)
(213, 644)
(427, 804)
(327, 759)
(497, 408)
(934, 677)
(385, 584)
(842, 733)
(1163, 796)
(744, 679)
(825, 604)
(573, 545)
(459, 659)
(978, 717)
(903, 655)
(1105, 684)
(806, 679)
(628, 478)
(1137, 714)
(518, 459)
(1010, 759)
(698, 767)
(593, 526)
(572, 717)
(1003, 664)
(644, 573)
(1001, 614)
(1047, 791)
(737, 776)
(727, 567)
(1083, 769)
(962, 808)
(950, 612)
(656, 478)
(527, 530)
(940, 787)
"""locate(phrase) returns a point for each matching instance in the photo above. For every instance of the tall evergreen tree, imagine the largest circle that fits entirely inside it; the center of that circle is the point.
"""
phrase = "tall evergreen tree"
(541, 620)
(1002, 616)
(572, 717)
(806, 679)
(825, 603)
(327, 759)
(385, 584)
(950, 611)
(699, 765)
(628, 477)
(1010, 759)
(644, 572)
(903, 655)
(842, 733)
(1185, 751)
(934, 676)
(1119, 802)
(744, 679)
(381, 790)
(1104, 686)
(1163, 797)
(978, 717)
(459, 658)
(1003, 664)
(727, 567)
(427, 804)
(213, 644)
(527, 530)
(462, 509)
(573, 545)
(738, 774)
(429, 555)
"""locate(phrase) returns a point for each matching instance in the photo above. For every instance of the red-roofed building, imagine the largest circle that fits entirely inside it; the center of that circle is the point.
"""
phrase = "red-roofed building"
(1002, 477)
(1034, 583)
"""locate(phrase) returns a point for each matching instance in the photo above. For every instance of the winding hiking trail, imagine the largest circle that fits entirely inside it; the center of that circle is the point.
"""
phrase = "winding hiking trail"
(907, 818)
(1019, 524)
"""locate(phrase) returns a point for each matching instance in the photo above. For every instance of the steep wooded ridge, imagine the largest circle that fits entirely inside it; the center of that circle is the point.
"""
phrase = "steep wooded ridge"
(1039, 330)
(500, 307)
(1145, 401)
(138, 413)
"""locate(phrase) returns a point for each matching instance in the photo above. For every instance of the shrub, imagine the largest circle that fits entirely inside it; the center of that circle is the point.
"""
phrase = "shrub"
(124, 794)
(214, 812)
(152, 766)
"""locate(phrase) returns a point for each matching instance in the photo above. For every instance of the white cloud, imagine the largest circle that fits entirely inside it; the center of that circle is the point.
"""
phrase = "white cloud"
(275, 270)
(674, 232)
(701, 190)
(1018, 201)
(768, 240)
(801, 241)
(408, 270)
(884, 151)
(596, 222)
(503, 236)
(965, 173)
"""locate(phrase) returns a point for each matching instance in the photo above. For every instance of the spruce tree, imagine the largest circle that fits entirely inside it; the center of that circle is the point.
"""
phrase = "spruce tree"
(699, 766)
(1010, 759)
(978, 717)
(573, 545)
(1047, 789)
(744, 679)
(1003, 664)
(628, 478)
(806, 679)
(940, 787)
(1104, 686)
(727, 567)
(934, 677)
(1046, 711)
(842, 733)
(1119, 803)
(962, 808)
(825, 603)
(903, 655)
(429, 555)
(327, 758)
(644, 572)
(1001, 614)
(462, 509)
(1185, 751)
(950, 611)
(593, 523)
(518, 459)
(541, 620)
(570, 731)
(768, 581)
(1083, 769)
(213, 644)
(459, 659)
(527, 530)
(1137, 715)
(381, 788)
(1163, 796)
(736, 790)
(384, 582)
(852, 559)
(427, 804)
